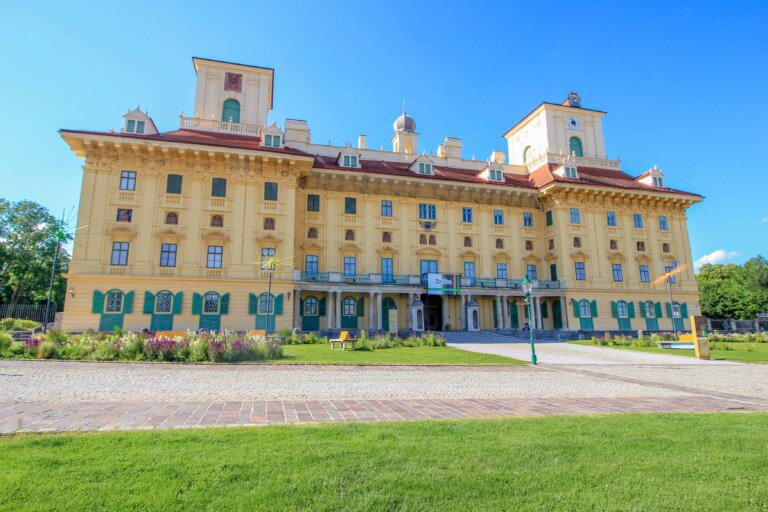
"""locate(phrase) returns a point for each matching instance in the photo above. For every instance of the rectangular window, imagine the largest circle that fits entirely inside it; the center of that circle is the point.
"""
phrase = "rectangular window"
(618, 274)
(120, 253)
(428, 266)
(173, 184)
(575, 216)
(427, 211)
(128, 180)
(272, 141)
(266, 254)
(657, 182)
(219, 187)
(425, 168)
(581, 271)
(350, 161)
(663, 224)
(532, 272)
(350, 265)
(501, 270)
(131, 126)
(214, 256)
(270, 191)
(386, 208)
(528, 219)
(466, 215)
(498, 217)
(570, 172)
(124, 215)
(313, 203)
(311, 265)
(497, 175)
(387, 270)
(637, 219)
(670, 268)
(610, 219)
(139, 126)
(640, 246)
(548, 215)
(469, 270)
(168, 255)
(350, 205)
(645, 274)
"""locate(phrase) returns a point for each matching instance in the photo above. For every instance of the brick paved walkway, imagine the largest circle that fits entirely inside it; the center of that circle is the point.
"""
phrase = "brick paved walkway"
(37, 396)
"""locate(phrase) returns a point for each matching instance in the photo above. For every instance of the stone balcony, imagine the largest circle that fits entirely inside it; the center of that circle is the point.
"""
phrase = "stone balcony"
(586, 161)
(213, 125)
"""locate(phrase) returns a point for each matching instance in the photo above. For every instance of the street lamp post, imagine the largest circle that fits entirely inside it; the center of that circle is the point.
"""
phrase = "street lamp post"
(527, 288)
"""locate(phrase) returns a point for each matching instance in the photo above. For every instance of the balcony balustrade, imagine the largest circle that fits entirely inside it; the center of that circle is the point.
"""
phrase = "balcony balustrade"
(419, 281)
(213, 125)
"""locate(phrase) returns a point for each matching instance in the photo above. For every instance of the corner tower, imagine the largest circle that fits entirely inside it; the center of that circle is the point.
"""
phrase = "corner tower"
(405, 138)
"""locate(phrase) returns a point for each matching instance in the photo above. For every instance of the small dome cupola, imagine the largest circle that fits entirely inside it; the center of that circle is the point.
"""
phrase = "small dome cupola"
(404, 123)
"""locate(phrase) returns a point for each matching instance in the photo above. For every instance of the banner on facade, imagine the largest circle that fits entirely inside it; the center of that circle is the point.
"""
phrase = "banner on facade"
(443, 284)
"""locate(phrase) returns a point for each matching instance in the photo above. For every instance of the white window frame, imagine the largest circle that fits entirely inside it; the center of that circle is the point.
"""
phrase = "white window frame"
(425, 168)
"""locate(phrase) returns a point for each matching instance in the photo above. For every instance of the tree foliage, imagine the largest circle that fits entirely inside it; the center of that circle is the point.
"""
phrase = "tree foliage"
(734, 291)
(28, 238)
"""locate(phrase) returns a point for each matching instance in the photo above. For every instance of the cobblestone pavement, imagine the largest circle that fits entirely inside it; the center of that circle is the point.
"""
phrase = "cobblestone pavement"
(62, 396)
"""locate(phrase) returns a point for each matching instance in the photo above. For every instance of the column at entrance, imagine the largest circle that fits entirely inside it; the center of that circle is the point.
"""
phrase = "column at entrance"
(499, 312)
(379, 316)
(371, 323)
(297, 309)
(337, 313)
(539, 322)
(563, 314)
(462, 312)
(329, 310)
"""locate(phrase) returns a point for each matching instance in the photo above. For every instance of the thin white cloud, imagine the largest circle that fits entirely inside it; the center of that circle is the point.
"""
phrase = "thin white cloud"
(765, 220)
(717, 256)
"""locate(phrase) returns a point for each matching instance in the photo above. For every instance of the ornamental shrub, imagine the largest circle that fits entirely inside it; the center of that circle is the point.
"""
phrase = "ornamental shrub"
(5, 343)
(18, 324)
(47, 350)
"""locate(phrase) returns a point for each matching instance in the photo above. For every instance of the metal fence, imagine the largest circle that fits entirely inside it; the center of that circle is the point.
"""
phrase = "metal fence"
(34, 312)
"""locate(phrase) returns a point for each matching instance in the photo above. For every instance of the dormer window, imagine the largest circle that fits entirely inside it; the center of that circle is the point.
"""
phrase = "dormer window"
(496, 175)
(272, 141)
(658, 181)
(570, 172)
(135, 126)
(425, 168)
(350, 161)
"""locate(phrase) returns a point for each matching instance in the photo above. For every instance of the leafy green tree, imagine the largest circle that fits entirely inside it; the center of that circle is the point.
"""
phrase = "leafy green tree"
(28, 238)
(734, 291)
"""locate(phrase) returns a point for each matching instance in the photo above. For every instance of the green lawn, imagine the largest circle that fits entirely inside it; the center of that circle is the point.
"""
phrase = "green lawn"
(323, 354)
(616, 462)
(742, 352)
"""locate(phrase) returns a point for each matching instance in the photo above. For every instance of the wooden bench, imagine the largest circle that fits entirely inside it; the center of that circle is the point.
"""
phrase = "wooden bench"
(342, 340)
(257, 332)
(170, 334)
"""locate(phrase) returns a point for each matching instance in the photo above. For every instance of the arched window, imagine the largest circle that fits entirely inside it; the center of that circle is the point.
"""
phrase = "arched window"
(676, 311)
(499, 243)
(269, 224)
(172, 218)
(575, 146)
(422, 239)
(665, 247)
(528, 245)
(217, 221)
(163, 302)
(527, 154)
(467, 241)
(650, 309)
(349, 235)
(310, 306)
(312, 233)
(211, 303)
(349, 307)
(584, 309)
(621, 309)
(386, 237)
(113, 302)
(266, 304)
(230, 113)
(551, 244)
(432, 240)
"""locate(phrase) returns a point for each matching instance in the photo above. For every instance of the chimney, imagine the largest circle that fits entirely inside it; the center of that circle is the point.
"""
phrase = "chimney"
(361, 139)
(497, 156)
(450, 148)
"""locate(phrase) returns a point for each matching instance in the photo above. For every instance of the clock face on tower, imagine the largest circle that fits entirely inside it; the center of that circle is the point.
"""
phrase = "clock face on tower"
(574, 123)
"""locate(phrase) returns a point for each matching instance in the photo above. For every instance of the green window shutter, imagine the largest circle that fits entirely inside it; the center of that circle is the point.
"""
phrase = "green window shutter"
(128, 305)
(575, 308)
(279, 304)
(641, 306)
(98, 302)
(361, 306)
(684, 310)
(253, 304)
(544, 310)
(224, 309)
(658, 309)
(321, 307)
(593, 307)
(631, 309)
(669, 310)
(197, 304)
(178, 302)
(614, 310)
(149, 303)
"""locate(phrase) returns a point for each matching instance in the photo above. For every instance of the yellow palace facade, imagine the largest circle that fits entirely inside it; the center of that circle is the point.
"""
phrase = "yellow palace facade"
(174, 226)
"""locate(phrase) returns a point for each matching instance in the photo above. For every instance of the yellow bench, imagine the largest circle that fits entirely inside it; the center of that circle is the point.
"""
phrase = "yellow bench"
(343, 339)
(170, 334)
(257, 332)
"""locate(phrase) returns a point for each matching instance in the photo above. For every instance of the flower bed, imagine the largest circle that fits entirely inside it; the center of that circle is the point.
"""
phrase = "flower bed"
(225, 346)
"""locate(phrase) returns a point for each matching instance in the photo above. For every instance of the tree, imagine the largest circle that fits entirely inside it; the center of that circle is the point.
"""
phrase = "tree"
(28, 238)
(734, 291)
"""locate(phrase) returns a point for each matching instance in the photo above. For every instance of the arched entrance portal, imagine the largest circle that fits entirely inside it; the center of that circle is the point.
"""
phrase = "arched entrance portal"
(433, 312)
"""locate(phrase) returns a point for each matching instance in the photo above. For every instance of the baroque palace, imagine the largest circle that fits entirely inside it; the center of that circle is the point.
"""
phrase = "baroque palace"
(175, 225)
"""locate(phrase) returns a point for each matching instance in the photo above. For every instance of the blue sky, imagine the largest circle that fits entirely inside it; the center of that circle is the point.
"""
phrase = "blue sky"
(684, 83)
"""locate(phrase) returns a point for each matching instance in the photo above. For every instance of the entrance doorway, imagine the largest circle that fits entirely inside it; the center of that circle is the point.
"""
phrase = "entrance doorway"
(433, 312)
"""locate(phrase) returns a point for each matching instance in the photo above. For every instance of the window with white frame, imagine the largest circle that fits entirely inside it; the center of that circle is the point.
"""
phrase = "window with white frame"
(657, 181)
(272, 141)
(114, 302)
(135, 126)
(127, 180)
(310, 306)
(622, 311)
(266, 304)
(532, 272)
(585, 311)
(168, 255)
(498, 217)
(496, 175)
(425, 168)
(350, 160)
(570, 172)
(349, 307)
(211, 303)
(350, 265)
(581, 272)
(215, 253)
(650, 309)
(466, 215)
(119, 253)
(163, 302)
(501, 270)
